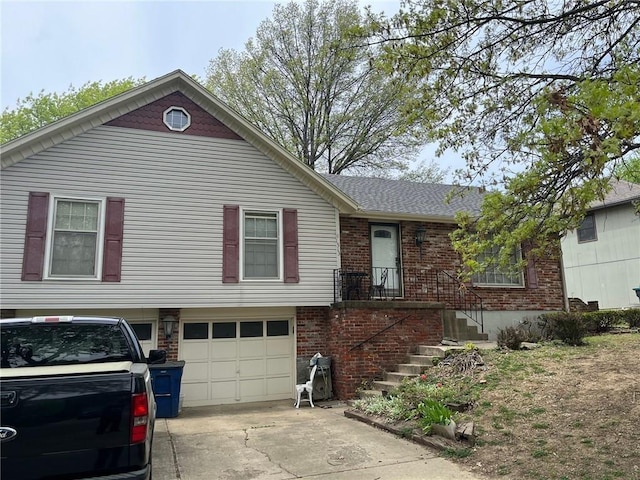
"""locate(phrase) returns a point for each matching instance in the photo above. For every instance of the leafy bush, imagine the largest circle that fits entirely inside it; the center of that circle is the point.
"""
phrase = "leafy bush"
(572, 327)
(602, 321)
(510, 337)
(632, 317)
(569, 328)
(430, 412)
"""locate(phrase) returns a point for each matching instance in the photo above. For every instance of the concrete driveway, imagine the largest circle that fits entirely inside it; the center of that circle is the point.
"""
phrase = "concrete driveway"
(273, 440)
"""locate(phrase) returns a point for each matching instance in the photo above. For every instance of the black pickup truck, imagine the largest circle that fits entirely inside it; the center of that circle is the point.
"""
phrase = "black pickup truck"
(76, 400)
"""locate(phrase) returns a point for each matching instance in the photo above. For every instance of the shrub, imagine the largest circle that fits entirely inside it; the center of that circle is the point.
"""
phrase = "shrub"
(602, 321)
(510, 337)
(632, 317)
(569, 328)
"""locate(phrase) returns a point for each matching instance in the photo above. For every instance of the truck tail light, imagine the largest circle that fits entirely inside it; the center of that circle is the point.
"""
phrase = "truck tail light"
(139, 417)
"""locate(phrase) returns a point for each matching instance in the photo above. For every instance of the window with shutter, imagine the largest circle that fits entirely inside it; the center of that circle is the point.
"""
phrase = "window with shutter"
(70, 238)
(263, 243)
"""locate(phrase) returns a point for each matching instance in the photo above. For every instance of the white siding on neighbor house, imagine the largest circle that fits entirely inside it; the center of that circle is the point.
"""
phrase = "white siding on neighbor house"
(174, 187)
(608, 268)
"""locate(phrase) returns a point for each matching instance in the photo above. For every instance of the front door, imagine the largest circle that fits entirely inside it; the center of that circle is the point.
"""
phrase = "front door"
(385, 256)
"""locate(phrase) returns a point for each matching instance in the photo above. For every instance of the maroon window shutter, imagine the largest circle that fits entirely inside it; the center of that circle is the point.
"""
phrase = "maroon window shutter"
(35, 236)
(290, 241)
(113, 235)
(231, 244)
(532, 274)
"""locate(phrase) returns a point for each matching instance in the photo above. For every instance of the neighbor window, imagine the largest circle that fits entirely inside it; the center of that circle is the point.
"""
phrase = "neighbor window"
(587, 229)
(496, 276)
(177, 118)
(261, 245)
(75, 240)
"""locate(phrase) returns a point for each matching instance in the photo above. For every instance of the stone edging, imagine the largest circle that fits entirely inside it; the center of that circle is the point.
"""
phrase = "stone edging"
(431, 441)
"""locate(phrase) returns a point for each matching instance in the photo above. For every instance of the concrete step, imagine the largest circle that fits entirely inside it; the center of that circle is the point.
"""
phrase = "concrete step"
(431, 350)
(398, 377)
(369, 393)
(459, 329)
(411, 368)
(385, 385)
(425, 360)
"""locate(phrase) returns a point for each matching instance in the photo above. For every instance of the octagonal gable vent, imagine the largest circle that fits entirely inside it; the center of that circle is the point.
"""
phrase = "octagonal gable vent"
(176, 119)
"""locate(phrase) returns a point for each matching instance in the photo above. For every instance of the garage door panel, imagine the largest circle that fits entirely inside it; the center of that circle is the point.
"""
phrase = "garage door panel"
(251, 348)
(223, 350)
(224, 392)
(252, 388)
(279, 386)
(278, 366)
(195, 350)
(195, 372)
(252, 368)
(223, 370)
(278, 346)
(195, 392)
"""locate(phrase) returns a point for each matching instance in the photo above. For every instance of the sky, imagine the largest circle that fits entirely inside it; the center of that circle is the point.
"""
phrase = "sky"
(50, 45)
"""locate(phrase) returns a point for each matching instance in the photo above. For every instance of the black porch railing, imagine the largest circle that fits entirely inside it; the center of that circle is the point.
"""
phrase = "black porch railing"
(408, 284)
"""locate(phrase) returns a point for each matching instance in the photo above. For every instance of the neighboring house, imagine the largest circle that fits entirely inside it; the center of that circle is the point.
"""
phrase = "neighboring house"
(164, 206)
(602, 257)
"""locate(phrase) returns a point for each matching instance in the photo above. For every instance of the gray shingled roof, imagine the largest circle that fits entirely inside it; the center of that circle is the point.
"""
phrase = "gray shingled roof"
(621, 192)
(401, 197)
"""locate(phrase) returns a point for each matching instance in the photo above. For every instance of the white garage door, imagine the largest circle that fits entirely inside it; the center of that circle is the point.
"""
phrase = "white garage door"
(236, 361)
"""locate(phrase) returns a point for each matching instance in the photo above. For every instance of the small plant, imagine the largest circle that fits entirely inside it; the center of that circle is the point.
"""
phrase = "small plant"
(510, 337)
(433, 412)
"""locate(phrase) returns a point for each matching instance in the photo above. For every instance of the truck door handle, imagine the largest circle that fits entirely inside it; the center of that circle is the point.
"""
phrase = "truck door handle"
(8, 399)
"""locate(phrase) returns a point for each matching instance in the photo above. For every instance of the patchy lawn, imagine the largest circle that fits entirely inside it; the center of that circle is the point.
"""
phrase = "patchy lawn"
(557, 412)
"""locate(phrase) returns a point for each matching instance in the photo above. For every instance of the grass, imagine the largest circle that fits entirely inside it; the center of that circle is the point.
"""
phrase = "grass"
(553, 413)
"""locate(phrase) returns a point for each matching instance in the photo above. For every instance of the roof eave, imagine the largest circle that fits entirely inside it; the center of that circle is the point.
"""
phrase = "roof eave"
(408, 217)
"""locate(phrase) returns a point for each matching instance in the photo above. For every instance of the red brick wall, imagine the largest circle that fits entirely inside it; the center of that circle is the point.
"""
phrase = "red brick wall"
(170, 345)
(150, 117)
(312, 329)
(351, 364)
(438, 255)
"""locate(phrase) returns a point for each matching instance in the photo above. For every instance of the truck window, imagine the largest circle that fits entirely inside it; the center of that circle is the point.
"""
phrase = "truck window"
(38, 345)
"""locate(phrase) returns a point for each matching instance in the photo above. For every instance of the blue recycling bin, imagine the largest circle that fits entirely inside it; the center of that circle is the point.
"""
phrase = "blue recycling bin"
(165, 379)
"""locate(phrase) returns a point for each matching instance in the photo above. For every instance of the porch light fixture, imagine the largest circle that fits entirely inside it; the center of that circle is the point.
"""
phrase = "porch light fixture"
(421, 233)
(169, 323)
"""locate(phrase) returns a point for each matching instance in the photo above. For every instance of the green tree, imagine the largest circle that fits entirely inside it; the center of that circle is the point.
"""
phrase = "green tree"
(629, 170)
(540, 98)
(35, 111)
(311, 86)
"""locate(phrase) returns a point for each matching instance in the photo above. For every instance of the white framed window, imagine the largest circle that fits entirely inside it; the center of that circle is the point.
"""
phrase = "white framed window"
(176, 118)
(495, 276)
(261, 245)
(74, 239)
(587, 229)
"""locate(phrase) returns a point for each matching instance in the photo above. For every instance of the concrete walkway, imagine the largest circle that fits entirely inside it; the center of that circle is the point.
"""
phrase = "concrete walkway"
(273, 440)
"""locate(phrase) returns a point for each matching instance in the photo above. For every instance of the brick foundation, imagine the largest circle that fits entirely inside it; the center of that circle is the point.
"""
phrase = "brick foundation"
(351, 323)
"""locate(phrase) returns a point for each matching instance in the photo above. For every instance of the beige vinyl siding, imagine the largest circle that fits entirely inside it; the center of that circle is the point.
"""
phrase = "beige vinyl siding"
(608, 268)
(174, 188)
